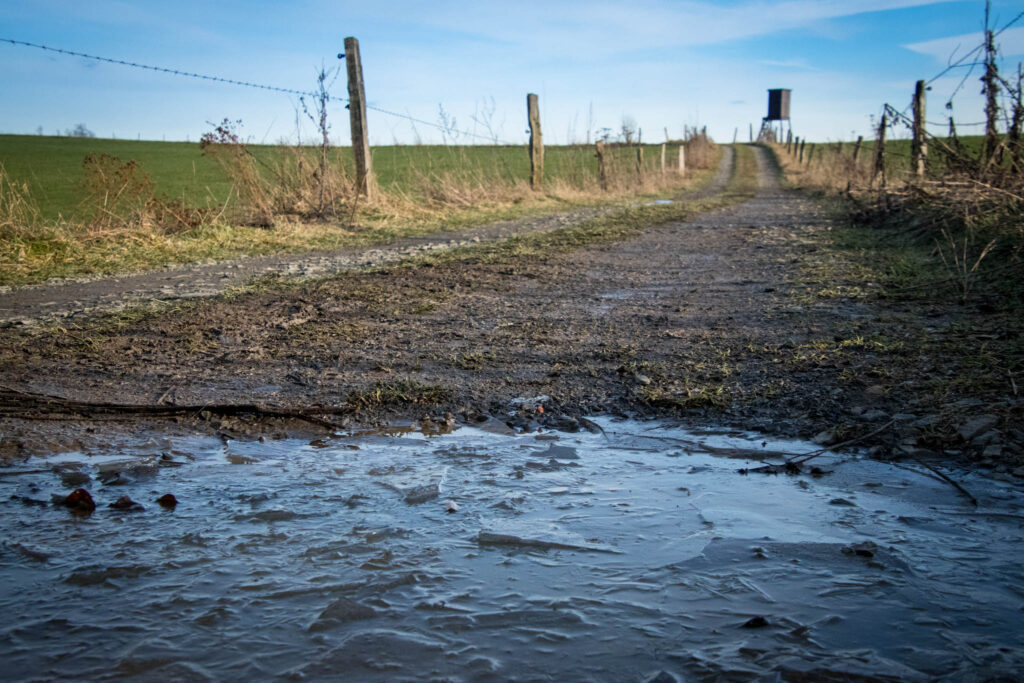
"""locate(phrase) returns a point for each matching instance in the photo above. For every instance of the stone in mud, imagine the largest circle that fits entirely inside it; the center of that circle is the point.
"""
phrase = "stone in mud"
(560, 453)
(824, 438)
(977, 426)
(167, 500)
(341, 611)
(79, 501)
(755, 622)
(421, 494)
(864, 549)
(126, 503)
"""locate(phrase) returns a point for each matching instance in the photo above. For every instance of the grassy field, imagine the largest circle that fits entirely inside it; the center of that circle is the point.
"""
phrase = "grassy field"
(52, 166)
(56, 230)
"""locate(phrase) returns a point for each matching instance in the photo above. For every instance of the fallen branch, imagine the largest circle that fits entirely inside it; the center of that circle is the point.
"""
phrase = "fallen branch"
(946, 478)
(30, 406)
(801, 459)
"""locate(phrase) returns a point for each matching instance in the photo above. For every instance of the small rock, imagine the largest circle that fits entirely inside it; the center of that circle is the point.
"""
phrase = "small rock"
(451, 506)
(755, 622)
(642, 379)
(875, 390)
(125, 503)
(865, 549)
(841, 501)
(875, 415)
(167, 500)
(80, 501)
(992, 451)
(977, 426)
(824, 438)
(662, 677)
(926, 421)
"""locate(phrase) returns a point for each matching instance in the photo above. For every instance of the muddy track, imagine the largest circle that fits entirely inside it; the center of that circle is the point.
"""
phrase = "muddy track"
(75, 297)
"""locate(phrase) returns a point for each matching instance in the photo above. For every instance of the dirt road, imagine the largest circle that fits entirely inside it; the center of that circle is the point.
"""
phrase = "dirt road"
(710, 320)
(75, 298)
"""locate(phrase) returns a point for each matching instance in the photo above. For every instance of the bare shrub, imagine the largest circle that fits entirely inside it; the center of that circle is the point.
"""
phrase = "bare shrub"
(117, 192)
(19, 213)
(225, 147)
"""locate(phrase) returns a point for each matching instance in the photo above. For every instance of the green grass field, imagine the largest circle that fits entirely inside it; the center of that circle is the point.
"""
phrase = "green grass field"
(52, 166)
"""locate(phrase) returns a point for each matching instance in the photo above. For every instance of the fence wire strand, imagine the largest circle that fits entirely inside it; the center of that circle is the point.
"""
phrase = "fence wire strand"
(249, 84)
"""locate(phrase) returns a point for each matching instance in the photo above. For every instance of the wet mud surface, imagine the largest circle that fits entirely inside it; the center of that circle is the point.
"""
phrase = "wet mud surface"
(709, 319)
(480, 554)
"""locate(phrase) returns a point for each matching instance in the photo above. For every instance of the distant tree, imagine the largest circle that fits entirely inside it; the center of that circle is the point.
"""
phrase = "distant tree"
(39, 130)
(604, 135)
(80, 131)
(628, 130)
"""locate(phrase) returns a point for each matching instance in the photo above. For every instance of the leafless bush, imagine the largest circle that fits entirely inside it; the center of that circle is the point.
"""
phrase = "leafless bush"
(19, 214)
(227, 149)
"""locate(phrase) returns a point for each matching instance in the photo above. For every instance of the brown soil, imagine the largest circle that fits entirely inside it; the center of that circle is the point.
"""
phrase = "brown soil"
(699, 320)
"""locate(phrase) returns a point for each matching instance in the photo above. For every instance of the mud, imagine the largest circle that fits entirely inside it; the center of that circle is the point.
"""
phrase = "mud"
(709, 320)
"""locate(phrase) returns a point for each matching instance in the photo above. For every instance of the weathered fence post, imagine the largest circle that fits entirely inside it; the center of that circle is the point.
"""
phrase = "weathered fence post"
(366, 183)
(919, 145)
(751, 132)
(856, 148)
(810, 155)
(789, 141)
(639, 163)
(682, 159)
(536, 143)
(880, 151)
(735, 133)
(803, 143)
(839, 149)
(663, 146)
(602, 171)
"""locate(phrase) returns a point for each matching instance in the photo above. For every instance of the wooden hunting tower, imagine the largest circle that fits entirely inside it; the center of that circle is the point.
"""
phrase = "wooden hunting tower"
(778, 105)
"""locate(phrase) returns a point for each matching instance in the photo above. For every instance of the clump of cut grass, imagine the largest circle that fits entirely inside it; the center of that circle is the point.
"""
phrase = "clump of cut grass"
(399, 393)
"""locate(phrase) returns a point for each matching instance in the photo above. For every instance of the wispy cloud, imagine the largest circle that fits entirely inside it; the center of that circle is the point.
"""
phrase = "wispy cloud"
(1010, 42)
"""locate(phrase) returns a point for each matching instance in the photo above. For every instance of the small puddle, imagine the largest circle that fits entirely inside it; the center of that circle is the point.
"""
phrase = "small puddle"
(394, 554)
(660, 202)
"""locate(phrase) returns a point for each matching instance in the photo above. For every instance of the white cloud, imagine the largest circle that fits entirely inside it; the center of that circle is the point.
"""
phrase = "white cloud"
(1009, 42)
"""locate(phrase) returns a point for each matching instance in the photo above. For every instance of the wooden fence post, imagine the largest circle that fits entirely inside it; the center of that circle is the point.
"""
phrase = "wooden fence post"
(880, 151)
(789, 140)
(682, 160)
(810, 155)
(919, 145)
(536, 143)
(366, 183)
(663, 146)
(602, 170)
(856, 148)
(803, 143)
(639, 163)
(751, 132)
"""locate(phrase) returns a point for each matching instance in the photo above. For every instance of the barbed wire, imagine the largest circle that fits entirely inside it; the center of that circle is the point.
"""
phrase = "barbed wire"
(249, 84)
(148, 67)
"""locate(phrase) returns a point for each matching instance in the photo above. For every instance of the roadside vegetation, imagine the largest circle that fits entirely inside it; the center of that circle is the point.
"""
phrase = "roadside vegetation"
(82, 206)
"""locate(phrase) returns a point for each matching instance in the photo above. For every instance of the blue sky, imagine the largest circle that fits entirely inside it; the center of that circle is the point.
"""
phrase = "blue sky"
(663, 63)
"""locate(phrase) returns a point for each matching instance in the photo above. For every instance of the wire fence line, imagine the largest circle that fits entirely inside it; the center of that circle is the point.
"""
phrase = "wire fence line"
(251, 84)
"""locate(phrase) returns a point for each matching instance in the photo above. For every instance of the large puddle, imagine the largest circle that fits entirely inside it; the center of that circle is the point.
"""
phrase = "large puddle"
(590, 556)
